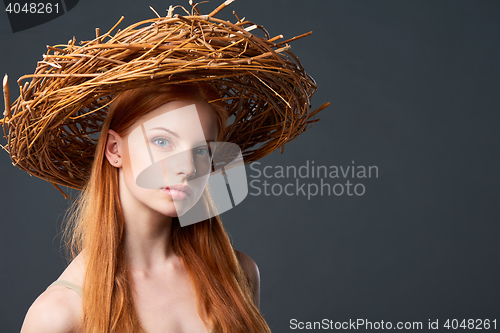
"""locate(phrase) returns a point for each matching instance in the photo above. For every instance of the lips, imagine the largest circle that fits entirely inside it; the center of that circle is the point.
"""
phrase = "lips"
(178, 192)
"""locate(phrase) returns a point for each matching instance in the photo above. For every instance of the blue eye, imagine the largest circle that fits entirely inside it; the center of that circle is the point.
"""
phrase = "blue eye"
(161, 142)
(202, 151)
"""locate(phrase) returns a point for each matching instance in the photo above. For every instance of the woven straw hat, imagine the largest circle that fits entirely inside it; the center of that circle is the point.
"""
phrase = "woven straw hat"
(52, 128)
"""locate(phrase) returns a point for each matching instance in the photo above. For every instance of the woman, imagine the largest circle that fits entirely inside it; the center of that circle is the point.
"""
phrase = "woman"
(133, 234)
(135, 267)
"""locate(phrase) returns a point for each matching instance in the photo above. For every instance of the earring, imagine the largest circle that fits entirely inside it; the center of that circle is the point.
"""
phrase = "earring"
(116, 161)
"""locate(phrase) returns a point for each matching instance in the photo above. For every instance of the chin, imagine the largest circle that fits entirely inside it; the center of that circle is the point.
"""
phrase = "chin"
(169, 208)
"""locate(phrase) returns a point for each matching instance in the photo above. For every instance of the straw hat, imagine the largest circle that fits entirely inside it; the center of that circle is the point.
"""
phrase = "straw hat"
(53, 127)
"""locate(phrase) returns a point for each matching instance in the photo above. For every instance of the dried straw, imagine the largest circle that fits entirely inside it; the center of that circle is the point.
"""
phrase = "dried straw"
(53, 127)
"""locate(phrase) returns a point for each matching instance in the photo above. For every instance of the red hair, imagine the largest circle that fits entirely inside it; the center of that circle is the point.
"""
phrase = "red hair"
(222, 288)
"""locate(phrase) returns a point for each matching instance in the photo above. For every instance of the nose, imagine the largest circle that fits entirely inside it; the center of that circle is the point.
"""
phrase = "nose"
(183, 164)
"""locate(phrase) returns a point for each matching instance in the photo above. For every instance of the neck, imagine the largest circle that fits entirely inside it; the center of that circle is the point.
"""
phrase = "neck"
(148, 246)
(147, 243)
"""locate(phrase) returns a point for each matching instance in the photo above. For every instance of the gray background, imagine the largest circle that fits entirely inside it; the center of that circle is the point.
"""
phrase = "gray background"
(414, 90)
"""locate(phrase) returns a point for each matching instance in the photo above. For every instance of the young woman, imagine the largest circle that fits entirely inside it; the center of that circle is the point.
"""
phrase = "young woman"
(141, 271)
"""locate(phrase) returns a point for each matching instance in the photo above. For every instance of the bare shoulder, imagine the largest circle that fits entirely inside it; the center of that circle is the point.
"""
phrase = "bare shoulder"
(56, 310)
(253, 273)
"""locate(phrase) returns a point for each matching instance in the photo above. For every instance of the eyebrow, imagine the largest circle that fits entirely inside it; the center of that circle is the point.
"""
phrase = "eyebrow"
(166, 130)
(172, 132)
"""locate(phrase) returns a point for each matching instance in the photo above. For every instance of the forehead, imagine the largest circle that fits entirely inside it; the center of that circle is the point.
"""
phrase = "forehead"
(186, 116)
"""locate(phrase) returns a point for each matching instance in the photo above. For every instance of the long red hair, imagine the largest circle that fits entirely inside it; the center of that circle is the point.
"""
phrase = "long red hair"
(96, 224)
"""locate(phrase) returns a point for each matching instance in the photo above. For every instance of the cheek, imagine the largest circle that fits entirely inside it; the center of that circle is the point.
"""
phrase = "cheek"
(137, 151)
(127, 172)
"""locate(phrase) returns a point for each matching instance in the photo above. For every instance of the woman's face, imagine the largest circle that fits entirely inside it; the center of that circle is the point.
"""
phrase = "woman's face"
(167, 156)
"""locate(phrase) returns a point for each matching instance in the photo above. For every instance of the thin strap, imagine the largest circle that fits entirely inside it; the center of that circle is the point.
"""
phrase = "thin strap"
(67, 284)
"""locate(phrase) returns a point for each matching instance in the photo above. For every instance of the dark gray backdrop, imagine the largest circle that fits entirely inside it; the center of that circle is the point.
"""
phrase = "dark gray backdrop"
(414, 90)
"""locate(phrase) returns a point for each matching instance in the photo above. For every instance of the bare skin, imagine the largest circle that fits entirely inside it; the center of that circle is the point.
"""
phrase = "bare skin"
(59, 309)
(159, 278)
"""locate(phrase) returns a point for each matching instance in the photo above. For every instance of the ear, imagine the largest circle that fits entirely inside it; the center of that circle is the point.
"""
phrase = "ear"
(113, 149)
